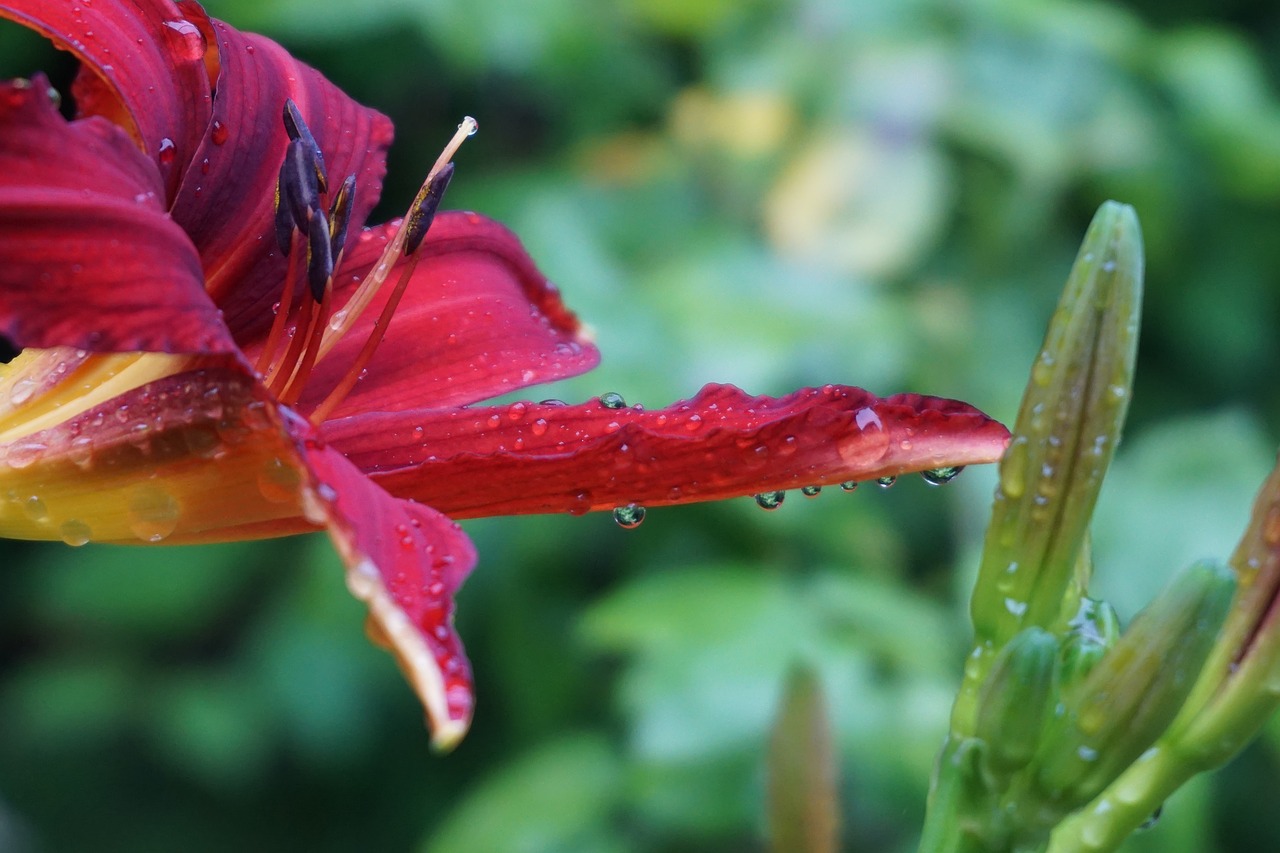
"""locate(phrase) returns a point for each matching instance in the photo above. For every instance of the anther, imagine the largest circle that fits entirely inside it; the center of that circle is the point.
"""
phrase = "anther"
(340, 217)
(299, 132)
(284, 219)
(422, 214)
(319, 255)
(300, 187)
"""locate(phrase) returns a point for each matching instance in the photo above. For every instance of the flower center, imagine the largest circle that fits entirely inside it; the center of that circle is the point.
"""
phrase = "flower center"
(311, 229)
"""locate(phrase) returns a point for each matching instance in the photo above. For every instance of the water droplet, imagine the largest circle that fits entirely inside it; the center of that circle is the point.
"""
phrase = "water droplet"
(849, 485)
(313, 508)
(81, 451)
(35, 509)
(694, 423)
(1013, 469)
(1155, 815)
(886, 482)
(1042, 370)
(418, 432)
(24, 453)
(153, 513)
(202, 441)
(166, 152)
(218, 132)
(629, 517)
(470, 125)
(188, 40)
(867, 417)
(278, 481)
(613, 400)
(770, 500)
(22, 390)
(74, 532)
(538, 427)
(938, 476)
(810, 491)
(517, 411)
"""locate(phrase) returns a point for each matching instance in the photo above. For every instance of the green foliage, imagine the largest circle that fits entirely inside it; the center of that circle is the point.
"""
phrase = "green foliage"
(767, 193)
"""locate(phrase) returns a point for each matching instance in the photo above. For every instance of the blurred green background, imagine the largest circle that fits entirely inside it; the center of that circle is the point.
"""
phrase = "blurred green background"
(885, 193)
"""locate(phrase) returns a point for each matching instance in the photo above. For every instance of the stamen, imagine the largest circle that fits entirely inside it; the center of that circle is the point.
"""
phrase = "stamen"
(315, 328)
(282, 371)
(343, 388)
(283, 310)
(343, 319)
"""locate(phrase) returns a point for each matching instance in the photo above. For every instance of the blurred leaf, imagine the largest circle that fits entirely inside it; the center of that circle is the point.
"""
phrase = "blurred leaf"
(557, 799)
(1179, 491)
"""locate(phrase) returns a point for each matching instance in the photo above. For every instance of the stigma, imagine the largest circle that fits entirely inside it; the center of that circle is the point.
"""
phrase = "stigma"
(311, 222)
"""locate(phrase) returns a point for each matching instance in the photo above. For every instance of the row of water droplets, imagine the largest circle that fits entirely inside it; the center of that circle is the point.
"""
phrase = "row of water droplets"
(631, 515)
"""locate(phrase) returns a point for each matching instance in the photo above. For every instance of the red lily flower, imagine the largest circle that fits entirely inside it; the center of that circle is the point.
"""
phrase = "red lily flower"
(199, 364)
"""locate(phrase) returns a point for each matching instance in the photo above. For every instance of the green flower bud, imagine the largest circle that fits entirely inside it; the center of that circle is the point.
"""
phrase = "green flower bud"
(1129, 698)
(1090, 635)
(1065, 435)
(1015, 701)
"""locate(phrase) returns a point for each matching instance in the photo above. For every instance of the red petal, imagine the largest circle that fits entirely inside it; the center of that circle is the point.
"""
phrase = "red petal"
(404, 561)
(226, 201)
(477, 320)
(145, 70)
(88, 257)
(537, 458)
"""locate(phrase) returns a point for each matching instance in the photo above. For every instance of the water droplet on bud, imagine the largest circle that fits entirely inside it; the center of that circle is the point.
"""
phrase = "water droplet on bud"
(612, 400)
(886, 482)
(810, 491)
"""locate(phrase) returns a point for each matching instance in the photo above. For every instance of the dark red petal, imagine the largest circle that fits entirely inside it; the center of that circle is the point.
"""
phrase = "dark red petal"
(88, 257)
(144, 66)
(477, 320)
(226, 199)
(528, 458)
(404, 561)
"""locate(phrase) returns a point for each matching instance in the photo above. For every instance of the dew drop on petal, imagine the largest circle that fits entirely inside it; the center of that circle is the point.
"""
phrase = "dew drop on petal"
(939, 476)
(218, 132)
(810, 491)
(629, 517)
(278, 481)
(22, 390)
(770, 500)
(166, 152)
(153, 513)
(612, 400)
(538, 427)
(886, 482)
(849, 485)
(187, 39)
(313, 508)
(23, 454)
(74, 532)
(35, 508)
